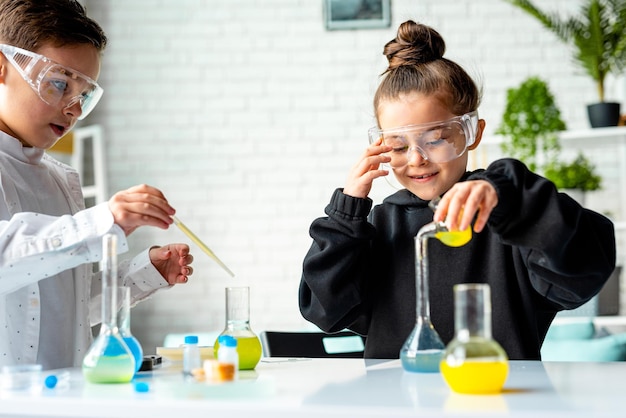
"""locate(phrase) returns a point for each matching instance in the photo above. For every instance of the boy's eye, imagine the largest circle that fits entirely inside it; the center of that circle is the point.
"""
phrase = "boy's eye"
(57, 84)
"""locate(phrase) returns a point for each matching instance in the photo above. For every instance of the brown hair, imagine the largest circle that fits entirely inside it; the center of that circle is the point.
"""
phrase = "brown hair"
(416, 65)
(30, 24)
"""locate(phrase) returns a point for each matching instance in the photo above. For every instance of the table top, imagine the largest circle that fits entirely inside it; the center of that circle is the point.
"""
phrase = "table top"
(335, 387)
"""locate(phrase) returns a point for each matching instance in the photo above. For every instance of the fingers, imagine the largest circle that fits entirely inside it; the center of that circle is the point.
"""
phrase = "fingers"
(366, 170)
(173, 262)
(141, 205)
(463, 202)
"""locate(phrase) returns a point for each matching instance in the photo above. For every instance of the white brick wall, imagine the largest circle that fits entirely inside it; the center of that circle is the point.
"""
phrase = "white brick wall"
(248, 113)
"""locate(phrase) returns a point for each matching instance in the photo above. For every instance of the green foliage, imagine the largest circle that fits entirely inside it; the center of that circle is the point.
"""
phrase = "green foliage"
(597, 35)
(530, 122)
(579, 174)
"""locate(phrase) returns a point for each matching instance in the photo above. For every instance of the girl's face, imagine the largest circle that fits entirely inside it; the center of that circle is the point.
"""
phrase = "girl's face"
(24, 115)
(421, 177)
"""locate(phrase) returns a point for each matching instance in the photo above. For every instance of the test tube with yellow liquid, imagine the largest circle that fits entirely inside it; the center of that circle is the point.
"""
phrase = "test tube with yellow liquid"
(473, 362)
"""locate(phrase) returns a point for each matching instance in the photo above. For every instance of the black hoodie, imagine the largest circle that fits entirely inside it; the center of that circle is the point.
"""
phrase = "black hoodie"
(541, 252)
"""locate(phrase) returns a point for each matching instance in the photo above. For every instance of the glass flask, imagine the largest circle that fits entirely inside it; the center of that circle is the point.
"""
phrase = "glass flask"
(109, 360)
(423, 349)
(238, 326)
(123, 319)
(473, 362)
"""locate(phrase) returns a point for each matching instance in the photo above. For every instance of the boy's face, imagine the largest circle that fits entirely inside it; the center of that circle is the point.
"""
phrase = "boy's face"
(424, 178)
(24, 115)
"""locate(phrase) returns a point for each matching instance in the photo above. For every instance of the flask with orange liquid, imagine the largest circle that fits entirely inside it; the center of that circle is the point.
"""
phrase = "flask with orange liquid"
(423, 349)
(473, 362)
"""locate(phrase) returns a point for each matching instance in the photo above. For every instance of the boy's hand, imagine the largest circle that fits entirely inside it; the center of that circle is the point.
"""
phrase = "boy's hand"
(360, 178)
(140, 205)
(468, 197)
(172, 261)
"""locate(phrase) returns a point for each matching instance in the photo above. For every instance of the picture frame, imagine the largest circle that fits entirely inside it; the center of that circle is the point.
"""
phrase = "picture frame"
(357, 14)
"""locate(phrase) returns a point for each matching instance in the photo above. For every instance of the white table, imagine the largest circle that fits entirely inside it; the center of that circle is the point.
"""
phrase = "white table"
(338, 388)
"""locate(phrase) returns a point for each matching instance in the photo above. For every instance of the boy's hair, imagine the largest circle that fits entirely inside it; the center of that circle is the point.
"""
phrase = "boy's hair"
(30, 24)
(416, 65)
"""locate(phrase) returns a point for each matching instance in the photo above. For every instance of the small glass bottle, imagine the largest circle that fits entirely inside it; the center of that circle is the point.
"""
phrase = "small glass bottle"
(227, 353)
(473, 362)
(191, 354)
(238, 326)
(123, 319)
(109, 359)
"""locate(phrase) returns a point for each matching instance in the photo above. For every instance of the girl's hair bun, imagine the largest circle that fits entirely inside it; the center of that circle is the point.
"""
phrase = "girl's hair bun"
(414, 44)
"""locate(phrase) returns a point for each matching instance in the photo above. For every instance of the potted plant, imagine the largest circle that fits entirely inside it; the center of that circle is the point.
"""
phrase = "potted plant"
(598, 38)
(530, 125)
(575, 178)
(530, 122)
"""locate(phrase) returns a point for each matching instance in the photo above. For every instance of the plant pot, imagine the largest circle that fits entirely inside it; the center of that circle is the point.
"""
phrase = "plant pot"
(603, 114)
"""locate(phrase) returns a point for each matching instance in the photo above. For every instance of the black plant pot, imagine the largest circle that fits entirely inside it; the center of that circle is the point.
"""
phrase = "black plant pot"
(603, 114)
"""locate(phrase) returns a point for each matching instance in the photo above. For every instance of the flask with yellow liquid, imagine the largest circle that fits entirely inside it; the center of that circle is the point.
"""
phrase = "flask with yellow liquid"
(238, 326)
(423, 349)
(473, 362)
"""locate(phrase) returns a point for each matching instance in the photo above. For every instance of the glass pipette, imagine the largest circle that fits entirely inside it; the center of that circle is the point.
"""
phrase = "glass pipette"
(201, 244)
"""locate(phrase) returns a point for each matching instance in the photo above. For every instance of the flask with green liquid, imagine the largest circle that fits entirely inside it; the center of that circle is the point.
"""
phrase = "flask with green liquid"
(109, 360)
(238, 326)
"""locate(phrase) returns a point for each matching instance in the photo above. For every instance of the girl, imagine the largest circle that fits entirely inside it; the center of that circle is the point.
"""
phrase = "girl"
(538, 249)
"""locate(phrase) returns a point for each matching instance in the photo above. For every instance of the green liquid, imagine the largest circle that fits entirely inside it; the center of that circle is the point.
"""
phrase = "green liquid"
(110, 369)
(249, 351)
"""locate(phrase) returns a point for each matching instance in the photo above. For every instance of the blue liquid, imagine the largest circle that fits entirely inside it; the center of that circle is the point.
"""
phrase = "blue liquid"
(136, 351)
(421, 361)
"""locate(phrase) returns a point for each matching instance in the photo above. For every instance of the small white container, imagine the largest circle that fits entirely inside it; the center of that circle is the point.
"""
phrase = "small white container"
(191, 355)
(22, 378)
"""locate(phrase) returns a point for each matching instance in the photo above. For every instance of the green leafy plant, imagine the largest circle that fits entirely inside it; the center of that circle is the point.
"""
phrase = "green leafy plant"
(530, 126)
(530, 122)
(579, 174)
(597, 35)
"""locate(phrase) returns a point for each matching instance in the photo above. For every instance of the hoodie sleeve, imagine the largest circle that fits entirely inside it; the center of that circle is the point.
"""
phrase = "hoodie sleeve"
(569, 250)
(333, 269)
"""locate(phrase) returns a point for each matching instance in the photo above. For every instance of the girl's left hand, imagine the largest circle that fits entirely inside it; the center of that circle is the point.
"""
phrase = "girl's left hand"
(467, 198)
(172, 261)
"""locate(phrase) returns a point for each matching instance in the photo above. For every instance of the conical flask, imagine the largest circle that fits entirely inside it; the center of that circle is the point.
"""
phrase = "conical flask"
(423, 349)
(238, 326)
(473, 362)
(109, 359)
(123, 320)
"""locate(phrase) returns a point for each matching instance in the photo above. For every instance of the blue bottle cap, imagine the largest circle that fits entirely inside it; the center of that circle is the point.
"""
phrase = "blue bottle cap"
(227, 341)
(191, 339)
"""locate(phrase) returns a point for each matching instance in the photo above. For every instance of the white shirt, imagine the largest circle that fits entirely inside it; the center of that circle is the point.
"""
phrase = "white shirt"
(49, 297)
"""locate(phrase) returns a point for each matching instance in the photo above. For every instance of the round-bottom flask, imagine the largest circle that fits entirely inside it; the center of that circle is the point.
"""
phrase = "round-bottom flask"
(473, 362)
(238, 326)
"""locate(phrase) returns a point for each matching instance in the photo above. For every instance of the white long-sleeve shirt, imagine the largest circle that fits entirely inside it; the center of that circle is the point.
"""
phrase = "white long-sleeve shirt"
(49, 295)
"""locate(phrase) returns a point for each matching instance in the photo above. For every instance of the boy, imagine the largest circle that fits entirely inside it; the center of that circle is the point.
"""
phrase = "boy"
(49, 61)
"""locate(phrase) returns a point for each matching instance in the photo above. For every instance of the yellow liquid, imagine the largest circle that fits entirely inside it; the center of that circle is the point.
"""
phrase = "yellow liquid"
(110, 369)
(455, 238)
(249, 351)
(476, 377)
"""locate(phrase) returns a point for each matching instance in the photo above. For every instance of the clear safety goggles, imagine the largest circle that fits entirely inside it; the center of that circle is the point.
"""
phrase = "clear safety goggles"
(55, 84)
(437, 142)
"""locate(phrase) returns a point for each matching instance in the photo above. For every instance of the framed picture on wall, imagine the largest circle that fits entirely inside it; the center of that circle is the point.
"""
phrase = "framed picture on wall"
(357, 14)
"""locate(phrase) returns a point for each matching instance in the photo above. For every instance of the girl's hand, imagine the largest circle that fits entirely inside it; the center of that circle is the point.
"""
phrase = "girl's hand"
(468, 198)
(138, 206)
(172, 261)
(360, 178)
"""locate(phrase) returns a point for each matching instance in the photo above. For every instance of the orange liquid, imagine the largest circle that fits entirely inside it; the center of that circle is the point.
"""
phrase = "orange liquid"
(476, 377)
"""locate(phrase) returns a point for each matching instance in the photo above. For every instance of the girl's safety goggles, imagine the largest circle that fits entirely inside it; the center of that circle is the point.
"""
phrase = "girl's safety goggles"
(55, 84)
(438, 142)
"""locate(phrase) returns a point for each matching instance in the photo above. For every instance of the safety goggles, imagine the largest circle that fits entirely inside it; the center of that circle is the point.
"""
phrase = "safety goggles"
(55, 84)
(438, 142)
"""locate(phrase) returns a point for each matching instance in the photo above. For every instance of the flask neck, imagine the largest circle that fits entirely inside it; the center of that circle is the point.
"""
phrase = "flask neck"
(472, 312)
